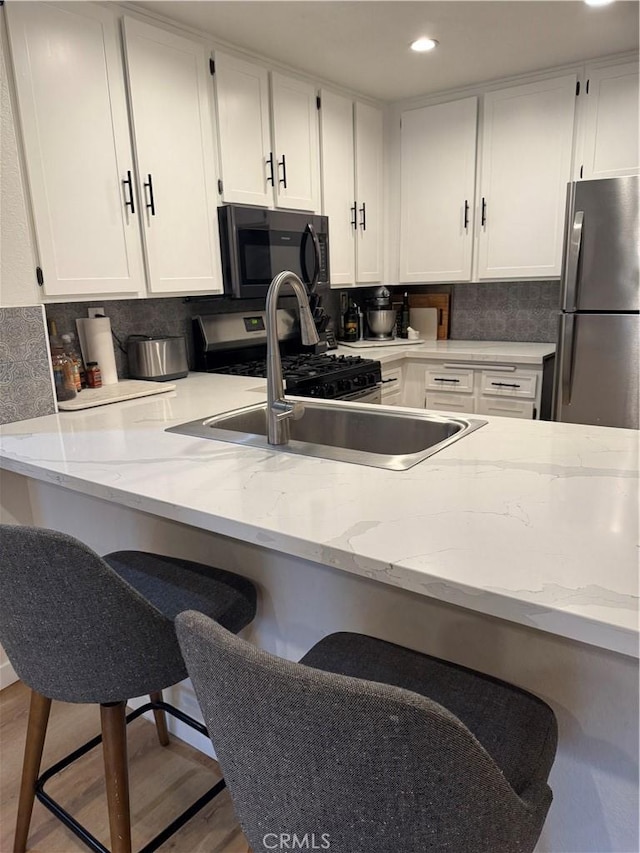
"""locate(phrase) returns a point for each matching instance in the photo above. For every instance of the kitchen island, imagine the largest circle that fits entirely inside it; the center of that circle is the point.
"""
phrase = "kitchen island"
(511, 551)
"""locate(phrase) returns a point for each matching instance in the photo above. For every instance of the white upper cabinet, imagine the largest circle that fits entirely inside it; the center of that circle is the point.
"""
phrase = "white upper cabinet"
(369, 194)
(438, 166)
(295, 143)
(73, 112)
(171, 96)
(244, 128)
(611, 121)
(525, 166)
(268, 158)
(338, 185)
(352, 192)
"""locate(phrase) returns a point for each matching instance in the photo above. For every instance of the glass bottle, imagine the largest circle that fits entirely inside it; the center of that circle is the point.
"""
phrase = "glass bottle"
(63, 374)
(404, 316)
(351, 323)
(94, 377)
(70, 350)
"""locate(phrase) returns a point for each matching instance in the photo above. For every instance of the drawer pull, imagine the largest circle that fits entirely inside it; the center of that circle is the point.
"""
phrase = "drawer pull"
(506, 384)
(384, 381)
(442, 379)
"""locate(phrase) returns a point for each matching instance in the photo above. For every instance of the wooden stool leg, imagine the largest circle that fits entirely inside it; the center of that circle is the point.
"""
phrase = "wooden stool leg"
(161, 719)
(36, 731)
(116, 770)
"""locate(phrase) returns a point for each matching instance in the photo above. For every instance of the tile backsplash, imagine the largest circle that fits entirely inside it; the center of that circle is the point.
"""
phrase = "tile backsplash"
(504, 311)
(498, 311)
(25, 375)
(167, 316)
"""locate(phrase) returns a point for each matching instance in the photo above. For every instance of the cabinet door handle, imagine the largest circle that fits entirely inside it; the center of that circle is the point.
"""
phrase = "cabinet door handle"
(385, 381)
(269, 163)
(354, 215)
(363, 221)
(466, 214)
(505, 385)
(151, 205)
(127, 183)
(283, 179)
(442, 379)
(483, 219)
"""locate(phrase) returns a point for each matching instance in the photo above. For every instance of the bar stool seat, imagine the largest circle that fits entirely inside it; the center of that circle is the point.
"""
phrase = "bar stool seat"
(81, 628)
(368, 746)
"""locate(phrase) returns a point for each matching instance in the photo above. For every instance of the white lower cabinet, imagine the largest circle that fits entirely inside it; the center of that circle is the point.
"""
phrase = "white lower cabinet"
(504, 408)
(392, 390)
(504, 390)
(450, 402)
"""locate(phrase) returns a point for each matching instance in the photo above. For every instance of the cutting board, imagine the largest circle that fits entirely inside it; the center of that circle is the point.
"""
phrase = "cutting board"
(434, 300)
(425, 322)
(125, 389)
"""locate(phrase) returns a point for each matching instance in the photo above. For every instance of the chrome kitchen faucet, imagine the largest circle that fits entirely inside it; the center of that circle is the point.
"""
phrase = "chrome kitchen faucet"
(279, 410)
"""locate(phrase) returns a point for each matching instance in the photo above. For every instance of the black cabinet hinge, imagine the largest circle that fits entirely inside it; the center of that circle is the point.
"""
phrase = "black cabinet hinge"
(39, 276)
(318, 102)
(212, 67)
(587, 87)
(577, 88)
(219, 186)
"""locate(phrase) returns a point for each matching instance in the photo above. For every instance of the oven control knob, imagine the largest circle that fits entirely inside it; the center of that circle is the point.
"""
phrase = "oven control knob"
(329, 390)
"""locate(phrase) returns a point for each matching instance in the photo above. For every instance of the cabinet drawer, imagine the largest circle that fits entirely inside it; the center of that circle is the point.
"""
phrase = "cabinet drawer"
(450, 402)
(505, 408)
(516, 384)
(392, 398)
(445, 379)
(391, 382)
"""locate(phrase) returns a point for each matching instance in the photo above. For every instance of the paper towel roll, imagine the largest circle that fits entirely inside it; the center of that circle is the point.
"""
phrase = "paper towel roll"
(96, 344)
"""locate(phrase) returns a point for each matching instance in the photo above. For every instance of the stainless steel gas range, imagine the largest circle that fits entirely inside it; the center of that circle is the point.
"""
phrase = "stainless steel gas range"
(236, 344)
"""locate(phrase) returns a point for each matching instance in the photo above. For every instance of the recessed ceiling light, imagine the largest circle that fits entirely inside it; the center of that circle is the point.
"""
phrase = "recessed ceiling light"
(423, 44)
(598, 2)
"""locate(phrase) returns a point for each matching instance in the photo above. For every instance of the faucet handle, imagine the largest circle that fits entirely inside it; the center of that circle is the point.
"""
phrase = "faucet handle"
(286, 409)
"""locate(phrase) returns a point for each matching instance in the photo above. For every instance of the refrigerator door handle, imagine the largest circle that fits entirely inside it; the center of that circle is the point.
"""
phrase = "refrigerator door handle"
(568, 340)
(573, 258)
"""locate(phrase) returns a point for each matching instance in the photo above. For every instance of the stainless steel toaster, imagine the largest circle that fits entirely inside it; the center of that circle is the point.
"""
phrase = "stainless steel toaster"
(156, 358)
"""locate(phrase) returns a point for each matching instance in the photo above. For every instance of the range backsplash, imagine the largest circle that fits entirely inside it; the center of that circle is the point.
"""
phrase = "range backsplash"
(491, 311)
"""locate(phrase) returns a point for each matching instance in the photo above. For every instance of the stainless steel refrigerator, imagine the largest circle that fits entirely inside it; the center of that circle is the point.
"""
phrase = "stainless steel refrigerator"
(596, 372)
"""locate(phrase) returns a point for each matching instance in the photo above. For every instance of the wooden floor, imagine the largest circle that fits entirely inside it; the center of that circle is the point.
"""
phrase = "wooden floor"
(163, 780)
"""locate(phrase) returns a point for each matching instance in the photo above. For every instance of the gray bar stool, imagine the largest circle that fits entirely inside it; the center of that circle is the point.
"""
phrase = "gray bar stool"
(369, 747)
(81, 628)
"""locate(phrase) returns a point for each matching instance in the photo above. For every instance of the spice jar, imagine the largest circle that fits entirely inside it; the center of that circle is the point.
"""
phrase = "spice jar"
(63, 374)
(94, 377)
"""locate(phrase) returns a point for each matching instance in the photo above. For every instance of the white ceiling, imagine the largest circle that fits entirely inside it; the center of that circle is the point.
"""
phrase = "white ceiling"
(362, 45)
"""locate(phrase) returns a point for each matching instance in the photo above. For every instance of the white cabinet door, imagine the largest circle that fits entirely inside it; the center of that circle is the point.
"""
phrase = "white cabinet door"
(438, 164)
(171, 102)
(611, 125)
(369, 151)
(73, 111)
(295, 143)
(526, 164)
(244, 129)
(338, 188)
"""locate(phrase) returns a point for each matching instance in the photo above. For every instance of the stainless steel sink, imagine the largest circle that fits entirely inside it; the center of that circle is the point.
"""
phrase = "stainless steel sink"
(382, 437)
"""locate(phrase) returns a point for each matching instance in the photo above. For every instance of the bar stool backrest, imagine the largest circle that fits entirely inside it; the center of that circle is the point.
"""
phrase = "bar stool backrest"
(354, 765)
(72, 628)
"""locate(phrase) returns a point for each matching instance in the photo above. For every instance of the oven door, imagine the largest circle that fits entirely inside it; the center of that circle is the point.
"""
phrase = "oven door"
(367, 395)
(258, 244)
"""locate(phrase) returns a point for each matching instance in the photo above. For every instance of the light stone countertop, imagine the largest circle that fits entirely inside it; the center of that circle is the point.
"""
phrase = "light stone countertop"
(468, 351)
(529, 521)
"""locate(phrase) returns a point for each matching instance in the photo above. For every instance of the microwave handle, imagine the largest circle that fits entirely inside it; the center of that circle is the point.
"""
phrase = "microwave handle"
(318, 257)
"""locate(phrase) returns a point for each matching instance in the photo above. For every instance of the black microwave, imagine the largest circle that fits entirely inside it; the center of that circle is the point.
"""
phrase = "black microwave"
(257, 244)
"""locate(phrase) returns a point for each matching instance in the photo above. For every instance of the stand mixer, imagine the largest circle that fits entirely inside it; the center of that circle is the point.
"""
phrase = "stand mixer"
(381, 318)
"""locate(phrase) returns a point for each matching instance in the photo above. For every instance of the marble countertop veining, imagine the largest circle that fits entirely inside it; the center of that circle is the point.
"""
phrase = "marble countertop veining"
(468, 351)
(528, 521)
